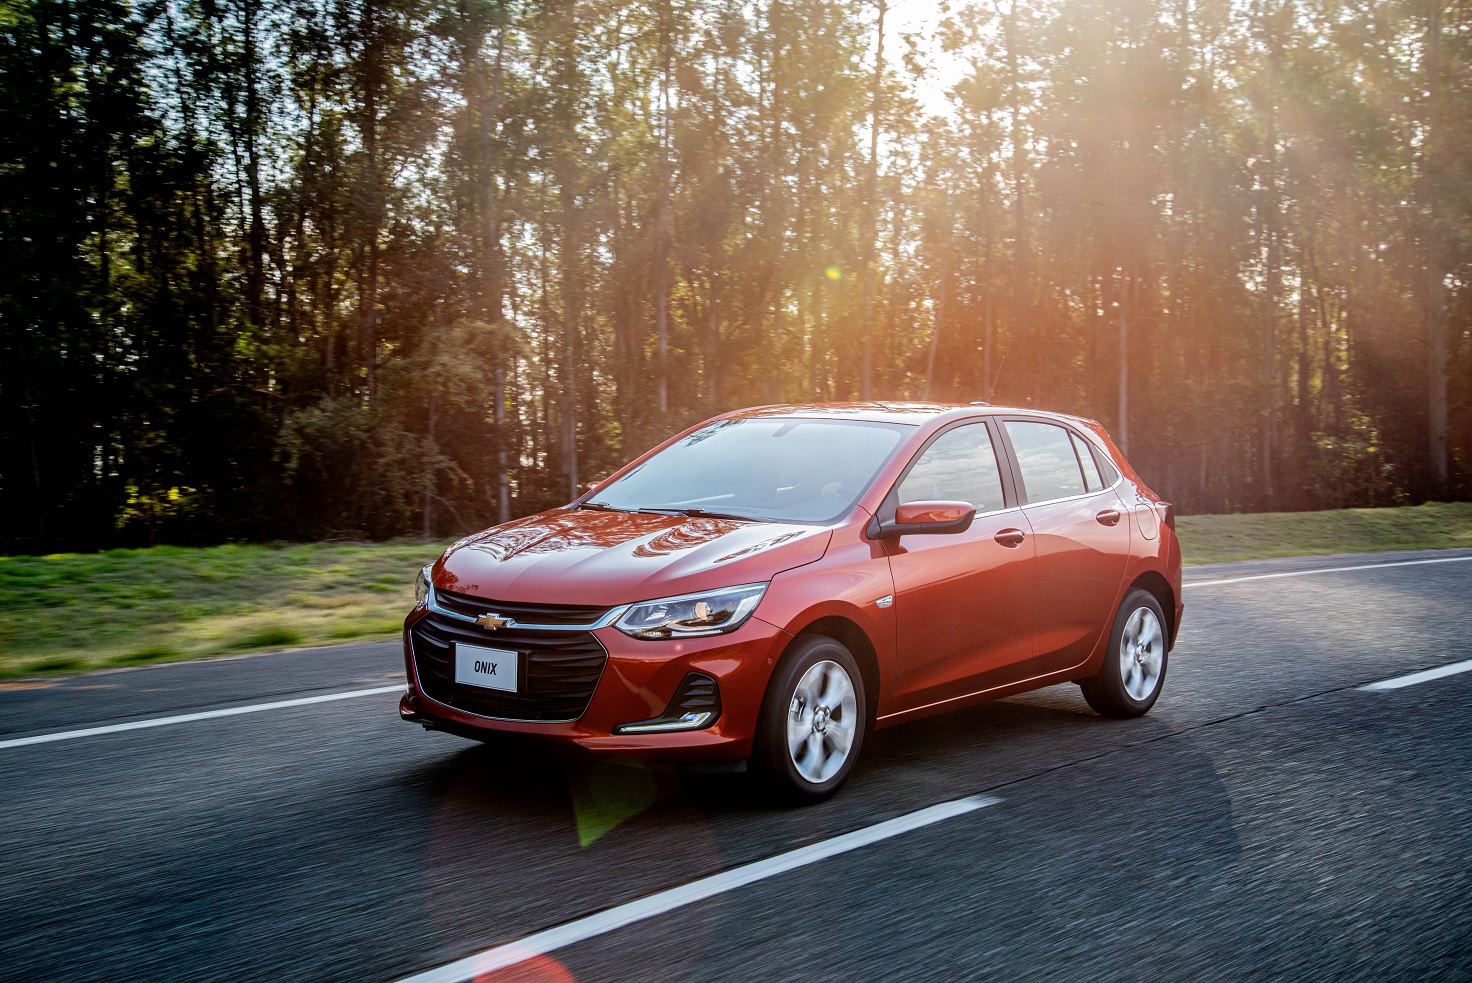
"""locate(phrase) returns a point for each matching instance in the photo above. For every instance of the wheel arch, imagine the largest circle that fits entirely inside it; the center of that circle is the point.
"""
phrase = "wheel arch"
(1160, 588)
(857, 641)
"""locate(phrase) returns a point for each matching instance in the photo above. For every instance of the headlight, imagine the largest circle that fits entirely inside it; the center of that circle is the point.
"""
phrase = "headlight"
(691, 615)
(422, 586)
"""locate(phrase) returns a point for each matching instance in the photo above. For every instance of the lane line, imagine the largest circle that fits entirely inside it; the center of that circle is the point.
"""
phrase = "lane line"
(608, 920)
(1424, 676)
(1308, 573)
(308, 700)
(184, 718)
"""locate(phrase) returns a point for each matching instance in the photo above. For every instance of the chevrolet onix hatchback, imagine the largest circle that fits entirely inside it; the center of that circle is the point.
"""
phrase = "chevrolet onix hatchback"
(775, 583)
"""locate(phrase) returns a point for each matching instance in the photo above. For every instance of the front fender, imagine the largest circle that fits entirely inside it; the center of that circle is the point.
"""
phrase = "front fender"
(852, 578)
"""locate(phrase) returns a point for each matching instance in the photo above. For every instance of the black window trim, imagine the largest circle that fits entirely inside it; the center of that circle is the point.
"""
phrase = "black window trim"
(1073, 442)
(1006, 468)
(1016, 468)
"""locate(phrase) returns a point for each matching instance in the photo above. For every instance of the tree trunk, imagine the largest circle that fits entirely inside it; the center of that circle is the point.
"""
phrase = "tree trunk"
(489, 115)
(567, 259)
(1021, 296)
(987, 383)
(372, 73)
(871, 208)
(1436, 341)
(1124, 361)
(1303, 422)
(1269, 230)
(712, 345)
(427, 531)
(255, 275)
(662, 219)
(503, 488)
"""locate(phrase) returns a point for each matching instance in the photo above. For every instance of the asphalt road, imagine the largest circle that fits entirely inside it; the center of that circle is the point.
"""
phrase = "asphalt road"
(1268, 820)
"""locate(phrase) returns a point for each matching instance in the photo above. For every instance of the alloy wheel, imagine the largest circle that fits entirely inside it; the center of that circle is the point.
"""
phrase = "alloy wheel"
(1141, 654)
(822, 717)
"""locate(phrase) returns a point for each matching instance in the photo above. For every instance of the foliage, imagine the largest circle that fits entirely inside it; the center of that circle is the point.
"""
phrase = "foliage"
(353, 267)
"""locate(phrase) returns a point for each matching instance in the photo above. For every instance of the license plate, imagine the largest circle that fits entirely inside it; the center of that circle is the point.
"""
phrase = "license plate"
(488, 668)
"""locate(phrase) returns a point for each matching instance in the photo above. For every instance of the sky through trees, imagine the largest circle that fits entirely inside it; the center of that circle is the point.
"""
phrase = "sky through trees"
(361, 268)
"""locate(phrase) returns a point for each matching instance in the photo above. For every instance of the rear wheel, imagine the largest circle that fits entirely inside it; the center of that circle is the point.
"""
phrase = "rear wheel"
(813, 720)
(1133, 673)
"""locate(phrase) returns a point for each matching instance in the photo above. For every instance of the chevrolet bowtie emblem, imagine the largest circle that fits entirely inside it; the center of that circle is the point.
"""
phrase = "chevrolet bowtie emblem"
(490, 622)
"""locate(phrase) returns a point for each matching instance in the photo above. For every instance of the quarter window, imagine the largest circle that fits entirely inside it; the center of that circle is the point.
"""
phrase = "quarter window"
(1046, 460)
(1086, 458)
(961, 466)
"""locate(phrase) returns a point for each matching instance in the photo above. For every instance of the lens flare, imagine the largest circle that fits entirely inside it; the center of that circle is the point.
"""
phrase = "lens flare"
(534, 969)
(833, 273)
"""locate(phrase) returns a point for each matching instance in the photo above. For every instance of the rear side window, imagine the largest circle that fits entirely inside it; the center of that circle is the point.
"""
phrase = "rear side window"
(1086, 458)
(961, 466)
(1046, 459)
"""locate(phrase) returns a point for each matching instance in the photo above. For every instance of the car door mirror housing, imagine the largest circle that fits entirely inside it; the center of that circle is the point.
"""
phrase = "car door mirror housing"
(914, 518)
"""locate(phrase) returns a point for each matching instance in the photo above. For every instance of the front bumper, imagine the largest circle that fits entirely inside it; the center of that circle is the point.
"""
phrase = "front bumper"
(637, 683)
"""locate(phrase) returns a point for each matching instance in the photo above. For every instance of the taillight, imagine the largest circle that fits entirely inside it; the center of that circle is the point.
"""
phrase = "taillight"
(1170, 514)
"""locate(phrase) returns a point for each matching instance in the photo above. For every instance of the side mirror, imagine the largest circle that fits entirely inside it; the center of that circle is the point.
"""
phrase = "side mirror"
(914, 518)
(594, 485)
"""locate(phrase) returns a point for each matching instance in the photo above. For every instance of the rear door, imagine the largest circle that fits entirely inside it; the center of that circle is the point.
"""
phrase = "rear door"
(1080, 532)
(962, 601)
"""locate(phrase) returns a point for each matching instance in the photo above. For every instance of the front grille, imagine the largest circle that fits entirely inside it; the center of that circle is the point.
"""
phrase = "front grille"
(560, 669)
(529, 614)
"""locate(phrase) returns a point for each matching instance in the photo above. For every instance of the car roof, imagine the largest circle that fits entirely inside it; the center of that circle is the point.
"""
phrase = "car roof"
(911, 413)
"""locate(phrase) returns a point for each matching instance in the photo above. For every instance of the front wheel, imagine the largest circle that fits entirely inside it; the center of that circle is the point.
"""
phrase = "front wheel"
(1133, 673)
(813, 720)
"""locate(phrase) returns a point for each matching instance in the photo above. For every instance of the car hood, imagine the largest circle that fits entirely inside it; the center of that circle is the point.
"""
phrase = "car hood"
(584, 557)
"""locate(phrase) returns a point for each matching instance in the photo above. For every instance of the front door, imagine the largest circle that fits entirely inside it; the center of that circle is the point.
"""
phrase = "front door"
(962, 601)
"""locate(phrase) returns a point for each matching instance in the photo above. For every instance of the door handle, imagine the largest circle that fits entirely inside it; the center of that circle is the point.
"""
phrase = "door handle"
(1010, 537)
(1109, 517)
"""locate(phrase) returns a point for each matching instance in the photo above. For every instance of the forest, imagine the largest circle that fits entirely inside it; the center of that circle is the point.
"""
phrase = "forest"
(356, 269)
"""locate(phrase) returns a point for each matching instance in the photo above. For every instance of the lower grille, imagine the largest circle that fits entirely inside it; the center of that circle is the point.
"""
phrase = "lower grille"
(560, 670)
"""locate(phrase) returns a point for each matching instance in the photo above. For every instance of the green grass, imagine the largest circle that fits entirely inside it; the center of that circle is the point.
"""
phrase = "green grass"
(72, 612)
(1215, 538)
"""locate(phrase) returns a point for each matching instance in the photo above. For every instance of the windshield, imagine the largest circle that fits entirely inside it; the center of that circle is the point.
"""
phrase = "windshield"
(794, 470)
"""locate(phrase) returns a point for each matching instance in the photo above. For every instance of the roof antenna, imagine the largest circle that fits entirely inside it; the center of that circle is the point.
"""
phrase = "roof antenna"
(995, 378)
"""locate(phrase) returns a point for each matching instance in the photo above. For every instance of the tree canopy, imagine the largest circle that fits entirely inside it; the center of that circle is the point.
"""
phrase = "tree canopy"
(363, 268)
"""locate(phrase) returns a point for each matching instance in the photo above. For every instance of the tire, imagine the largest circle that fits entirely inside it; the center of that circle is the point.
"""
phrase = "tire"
(1133, 673)
(813, 721)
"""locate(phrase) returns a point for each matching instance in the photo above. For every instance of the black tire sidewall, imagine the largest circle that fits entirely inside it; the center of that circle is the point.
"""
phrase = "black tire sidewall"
(1106, 692)
(772, 756)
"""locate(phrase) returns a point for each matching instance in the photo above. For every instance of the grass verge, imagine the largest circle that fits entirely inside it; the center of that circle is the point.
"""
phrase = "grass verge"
(72, 612)
(1261, 536)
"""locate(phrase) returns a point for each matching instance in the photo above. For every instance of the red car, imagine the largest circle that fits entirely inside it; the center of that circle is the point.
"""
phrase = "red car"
(773, 584)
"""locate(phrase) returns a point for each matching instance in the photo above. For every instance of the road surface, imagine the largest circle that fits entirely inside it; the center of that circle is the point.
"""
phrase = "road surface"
(1268, 820)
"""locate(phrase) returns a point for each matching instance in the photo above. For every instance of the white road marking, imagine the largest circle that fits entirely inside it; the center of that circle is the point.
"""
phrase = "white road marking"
(352, 694)
(184, 718)
(1424, 676)
(611, 919)
(1308, 573)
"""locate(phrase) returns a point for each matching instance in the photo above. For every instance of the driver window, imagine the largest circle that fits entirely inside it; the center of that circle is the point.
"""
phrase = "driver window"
(961, 466)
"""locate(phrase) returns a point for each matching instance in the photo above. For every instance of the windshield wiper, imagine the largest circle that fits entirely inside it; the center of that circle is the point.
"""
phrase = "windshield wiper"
(708, 514)
(640, 510)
